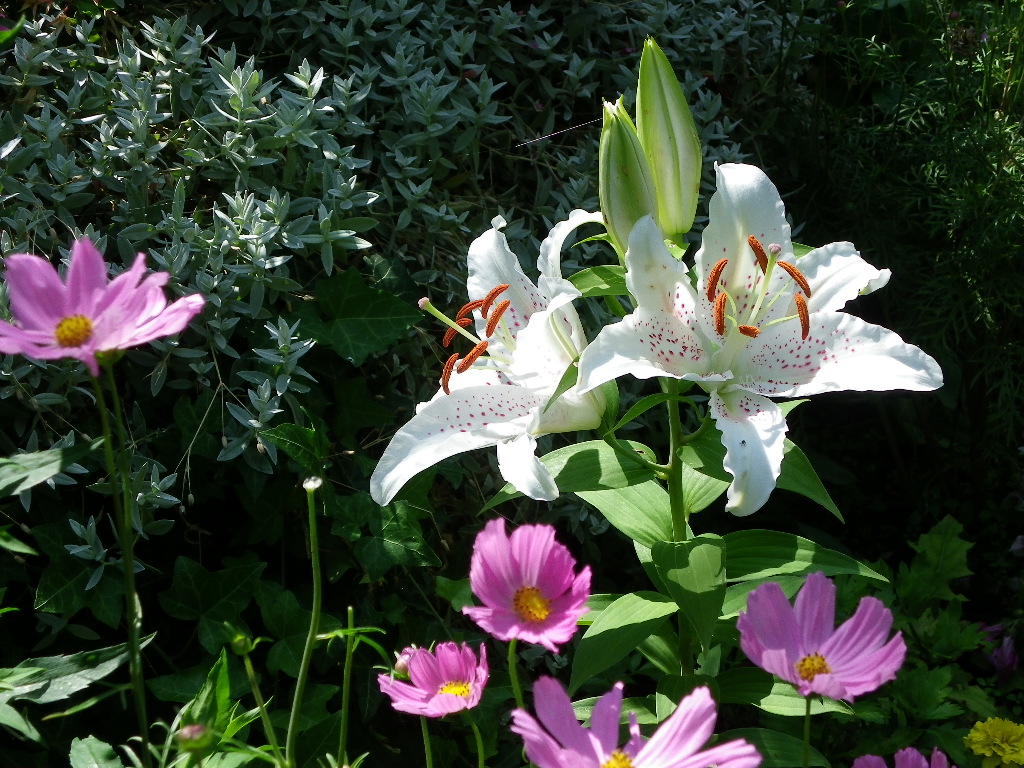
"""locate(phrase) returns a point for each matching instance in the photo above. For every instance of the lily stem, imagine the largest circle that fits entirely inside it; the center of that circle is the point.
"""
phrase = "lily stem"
(314, 626)
(120, 481)
(677, 499)
(513, 673)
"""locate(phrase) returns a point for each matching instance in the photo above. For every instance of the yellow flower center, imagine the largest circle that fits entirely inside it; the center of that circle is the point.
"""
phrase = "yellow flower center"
(73, 331)
(531, 604)
(812, 665)
(457, 687)
(618, 760)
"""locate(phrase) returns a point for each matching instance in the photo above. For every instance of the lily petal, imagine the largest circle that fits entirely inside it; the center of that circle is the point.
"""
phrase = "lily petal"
(520, 466)
(557, 289)
(468, 418)
(753, 432)
(841, 353)
(837, 274)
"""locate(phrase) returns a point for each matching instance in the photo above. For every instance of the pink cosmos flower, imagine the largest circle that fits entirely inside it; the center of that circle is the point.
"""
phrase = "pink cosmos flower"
(85, 314)
(559, 741)
(527, 585)
(801, 645)
(905, 758)
(445, 680)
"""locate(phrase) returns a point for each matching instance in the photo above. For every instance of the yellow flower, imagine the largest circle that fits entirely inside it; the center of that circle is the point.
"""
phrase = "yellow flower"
(1000, 741)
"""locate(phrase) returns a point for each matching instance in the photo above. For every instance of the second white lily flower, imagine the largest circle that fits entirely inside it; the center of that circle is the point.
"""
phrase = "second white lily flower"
(755, 327)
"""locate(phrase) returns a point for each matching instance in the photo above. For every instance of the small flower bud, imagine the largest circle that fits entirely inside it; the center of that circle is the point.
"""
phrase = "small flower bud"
(194, 738)
(402, 661)
(312, 483)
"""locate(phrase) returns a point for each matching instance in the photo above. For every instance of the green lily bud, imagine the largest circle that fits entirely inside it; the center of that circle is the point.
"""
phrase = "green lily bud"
(670, 141)
(625, 185)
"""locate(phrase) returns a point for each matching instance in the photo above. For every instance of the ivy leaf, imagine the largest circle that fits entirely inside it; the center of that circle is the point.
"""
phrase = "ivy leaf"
(396, 540)
(354, 319)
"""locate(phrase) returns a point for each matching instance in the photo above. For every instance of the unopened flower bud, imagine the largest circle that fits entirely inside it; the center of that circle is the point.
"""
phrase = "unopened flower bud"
(670, 141)
(312, 483)
(402, 661)
(625, 186)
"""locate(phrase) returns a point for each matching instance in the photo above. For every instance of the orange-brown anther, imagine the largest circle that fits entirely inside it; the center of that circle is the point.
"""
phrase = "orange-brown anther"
(468, 309)
(713, 278)
(491, 297)
(449, 335)
(472, 357)
(797, 275)
(720, 313)
(762, 257)
(495, 318)
(805, 317)
(749, 330)
(446, 375)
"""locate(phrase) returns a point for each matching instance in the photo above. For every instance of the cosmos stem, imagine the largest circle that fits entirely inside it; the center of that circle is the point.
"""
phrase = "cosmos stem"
(314, 628)
(807, 733)
(479, 741)
(118, 470)
(513, 673)
(426, 742)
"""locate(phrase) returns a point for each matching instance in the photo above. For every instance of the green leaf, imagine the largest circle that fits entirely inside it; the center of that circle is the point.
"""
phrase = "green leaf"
(288, 622)
(308, 447)
(642, 512)
(601, 281)
(748, 685)
(693, 572)
(618, 631)
(759, 554)
(90, 752)
(589, 466)
(24, 470)
(58, 677)
(799, 476)
(212, 705)
(567, 382)
(778, 750)
(18, 723)
(700, 490)
(354, 319)
(11, 544)
(212, 598)
(396, 540)
(643, 405)
(62, 586)
(457, 592)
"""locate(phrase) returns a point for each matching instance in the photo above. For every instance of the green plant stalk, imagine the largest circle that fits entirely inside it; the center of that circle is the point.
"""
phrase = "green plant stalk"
(426, 742)
(126, 536)
(479, 741)
(807, 734)
(513, 673)
(346, 685)
(314, 628)
(268, 726)
(676, 497)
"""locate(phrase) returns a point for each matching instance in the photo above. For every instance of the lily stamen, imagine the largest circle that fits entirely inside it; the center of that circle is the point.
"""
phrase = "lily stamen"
(472, 357)
(797, 276)
(805, 317)
(446, 375)
(749, 330)
(714, 277)
(491, 297)
(720, 313)
(495, 318)
(468, 309)
(449, 335)
(759, 254)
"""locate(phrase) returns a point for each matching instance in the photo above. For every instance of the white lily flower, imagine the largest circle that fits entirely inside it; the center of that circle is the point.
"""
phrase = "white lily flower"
(755, 327)
(527, 337)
